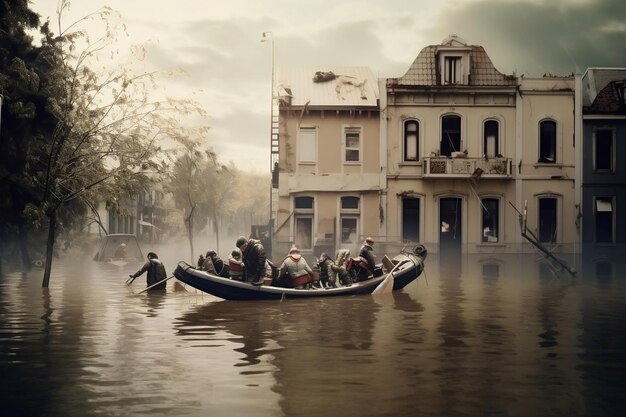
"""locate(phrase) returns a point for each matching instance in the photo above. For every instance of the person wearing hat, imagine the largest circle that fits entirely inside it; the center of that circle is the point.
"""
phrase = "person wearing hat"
(254, 258)
(367, 253)
(296, 266)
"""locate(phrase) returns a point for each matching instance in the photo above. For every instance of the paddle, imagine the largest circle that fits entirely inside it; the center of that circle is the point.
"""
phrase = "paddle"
(386, 286)
(155, 284)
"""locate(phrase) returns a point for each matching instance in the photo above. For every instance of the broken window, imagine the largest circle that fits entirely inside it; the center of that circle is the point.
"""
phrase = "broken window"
(604, 219)
(547, 219)
(450, 135)
(352, 145)
(411, 141)
(547, 141)
(490, 219)
(491, 145)
(603, 150)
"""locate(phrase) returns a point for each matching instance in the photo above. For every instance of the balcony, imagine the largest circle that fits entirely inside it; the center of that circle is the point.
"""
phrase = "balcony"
(464, 167)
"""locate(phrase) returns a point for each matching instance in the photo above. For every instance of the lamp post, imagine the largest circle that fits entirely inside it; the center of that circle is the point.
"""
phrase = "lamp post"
(269, 37)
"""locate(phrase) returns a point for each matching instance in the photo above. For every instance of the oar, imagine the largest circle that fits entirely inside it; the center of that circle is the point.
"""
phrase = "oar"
(386, 286)
(155, 284)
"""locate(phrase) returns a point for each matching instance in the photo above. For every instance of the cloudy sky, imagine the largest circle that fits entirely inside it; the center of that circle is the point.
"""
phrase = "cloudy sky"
(228, 68)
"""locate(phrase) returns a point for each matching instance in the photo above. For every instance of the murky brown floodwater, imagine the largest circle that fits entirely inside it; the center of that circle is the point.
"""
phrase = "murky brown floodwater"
(484, 336)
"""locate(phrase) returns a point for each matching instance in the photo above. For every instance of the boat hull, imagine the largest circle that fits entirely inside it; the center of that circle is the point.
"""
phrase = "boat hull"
(410, 269)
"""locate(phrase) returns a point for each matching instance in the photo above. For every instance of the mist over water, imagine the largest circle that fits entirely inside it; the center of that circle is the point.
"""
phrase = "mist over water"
(473, 336)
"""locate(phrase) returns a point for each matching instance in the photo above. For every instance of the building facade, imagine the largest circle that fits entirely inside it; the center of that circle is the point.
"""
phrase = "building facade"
(329, 182)
(450, 155)
(603, 179)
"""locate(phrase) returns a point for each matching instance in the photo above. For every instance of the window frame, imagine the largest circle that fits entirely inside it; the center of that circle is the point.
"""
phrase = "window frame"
(557, 227)
(485, 239)
(611, 156)
(611, 200)
(349, 132)
(460, 133)
(497, 138)
(452, 69)
(304, 155)
(349, 212)
(541, 157)
(406, 139)
(304, 211)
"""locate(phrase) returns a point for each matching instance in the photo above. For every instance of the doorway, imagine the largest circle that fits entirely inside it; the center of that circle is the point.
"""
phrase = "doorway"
(450, 226)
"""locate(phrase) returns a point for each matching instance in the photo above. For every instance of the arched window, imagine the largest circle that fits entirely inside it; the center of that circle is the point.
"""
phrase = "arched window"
(491, 139)
(547, 141)
(450, 135)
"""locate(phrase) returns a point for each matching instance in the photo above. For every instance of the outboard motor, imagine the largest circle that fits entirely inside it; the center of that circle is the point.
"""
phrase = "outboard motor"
(420, 250)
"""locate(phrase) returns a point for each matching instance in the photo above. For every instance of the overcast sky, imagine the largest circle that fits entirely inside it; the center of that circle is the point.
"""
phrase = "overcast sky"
(218, 45)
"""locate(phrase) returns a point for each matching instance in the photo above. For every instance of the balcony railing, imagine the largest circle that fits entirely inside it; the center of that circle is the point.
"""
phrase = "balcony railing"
(483, 168)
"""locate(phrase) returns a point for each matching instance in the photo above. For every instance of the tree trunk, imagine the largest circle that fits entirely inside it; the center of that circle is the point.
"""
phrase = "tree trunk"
(52, 218)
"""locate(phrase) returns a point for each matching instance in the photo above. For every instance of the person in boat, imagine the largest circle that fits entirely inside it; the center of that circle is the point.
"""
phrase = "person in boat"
(156, 272)
(219, 265)
(253, 256)
(330, 271)
(236, 266)
(205, 263)
(367, 253)
(296, 267)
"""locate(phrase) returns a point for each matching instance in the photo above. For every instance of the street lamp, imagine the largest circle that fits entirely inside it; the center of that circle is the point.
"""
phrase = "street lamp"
(269, 37)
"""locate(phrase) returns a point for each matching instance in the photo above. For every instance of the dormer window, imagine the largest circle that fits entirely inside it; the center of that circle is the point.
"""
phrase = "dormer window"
(452, 70)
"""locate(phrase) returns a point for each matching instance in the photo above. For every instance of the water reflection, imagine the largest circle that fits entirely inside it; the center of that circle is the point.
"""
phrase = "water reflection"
(487, 335)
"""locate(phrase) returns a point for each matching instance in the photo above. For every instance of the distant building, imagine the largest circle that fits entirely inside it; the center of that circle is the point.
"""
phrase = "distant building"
(603, 183)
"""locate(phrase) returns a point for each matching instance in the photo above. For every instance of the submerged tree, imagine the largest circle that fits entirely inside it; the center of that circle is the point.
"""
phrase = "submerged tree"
(105, 142)
(24, 120)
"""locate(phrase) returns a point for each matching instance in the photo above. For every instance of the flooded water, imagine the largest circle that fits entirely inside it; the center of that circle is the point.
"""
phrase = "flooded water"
(481, 336)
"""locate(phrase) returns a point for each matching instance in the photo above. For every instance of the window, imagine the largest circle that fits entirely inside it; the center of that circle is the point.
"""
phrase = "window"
(603, 150)
(491, 140)
(604, 220)
(452, 70)
(303, 222)
(547, 219)
(411, 219)
(352, 145)
(411, 141)
(547, 141)
(350, 213)
(450, 135)
(306, 150)
(490, 219)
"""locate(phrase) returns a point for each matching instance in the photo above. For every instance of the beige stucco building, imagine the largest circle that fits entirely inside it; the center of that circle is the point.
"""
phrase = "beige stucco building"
(443, 155)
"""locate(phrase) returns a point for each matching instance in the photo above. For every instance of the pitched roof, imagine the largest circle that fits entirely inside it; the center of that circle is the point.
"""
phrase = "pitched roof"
(328, 87)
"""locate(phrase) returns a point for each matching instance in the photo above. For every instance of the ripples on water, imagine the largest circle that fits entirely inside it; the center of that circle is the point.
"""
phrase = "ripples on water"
(479, 337)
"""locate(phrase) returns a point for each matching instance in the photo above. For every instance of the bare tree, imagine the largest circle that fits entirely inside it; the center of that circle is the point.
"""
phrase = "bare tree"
(105, 145)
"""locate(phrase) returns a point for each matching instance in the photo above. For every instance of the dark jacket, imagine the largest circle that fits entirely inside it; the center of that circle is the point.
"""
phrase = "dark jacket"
(367, 253)
(156, 273)
(254, 260)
